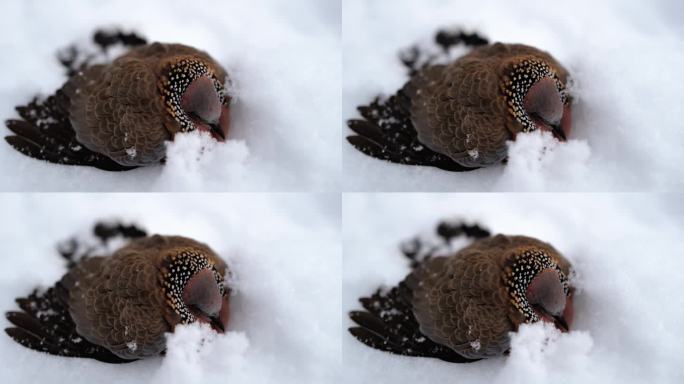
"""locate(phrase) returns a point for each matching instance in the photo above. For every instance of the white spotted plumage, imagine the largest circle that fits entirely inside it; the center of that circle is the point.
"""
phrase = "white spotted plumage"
(521, 78)
(179, 77)
(525, 267)
(181, 268)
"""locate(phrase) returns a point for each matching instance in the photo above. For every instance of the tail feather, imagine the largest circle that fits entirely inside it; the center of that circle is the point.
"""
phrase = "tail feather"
(73, 250)
(417, 250)
(74, 60)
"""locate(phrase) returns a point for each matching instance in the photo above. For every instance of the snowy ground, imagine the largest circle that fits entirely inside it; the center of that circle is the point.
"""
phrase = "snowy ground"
(286, 256)
(626, 59)
(626, 250)
(285, 60)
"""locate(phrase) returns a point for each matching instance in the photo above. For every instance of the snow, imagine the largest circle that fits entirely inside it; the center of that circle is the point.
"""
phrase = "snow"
(538, 350)
(194, 347)
(284, 253)
(625, 249)
(625, 58)
(132, 346)
(284, 60)
(196, 154)
(130, 152)
(537, 154)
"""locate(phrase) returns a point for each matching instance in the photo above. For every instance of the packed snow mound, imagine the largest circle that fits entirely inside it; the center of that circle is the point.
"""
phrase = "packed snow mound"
(283, 60)
(622, 55)
(197, 162)
(540, 353)
(191, 348)
(537, 159)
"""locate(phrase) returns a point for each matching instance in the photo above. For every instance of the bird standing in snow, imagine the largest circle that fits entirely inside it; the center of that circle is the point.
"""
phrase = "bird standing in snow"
(117, 308)
(118, 116)
(458, 116)
(461, 307)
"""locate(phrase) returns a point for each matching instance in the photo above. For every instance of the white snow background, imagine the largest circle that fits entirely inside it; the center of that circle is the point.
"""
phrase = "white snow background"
(626, 251)
(625, 57)
(283, 56)
(284, 251)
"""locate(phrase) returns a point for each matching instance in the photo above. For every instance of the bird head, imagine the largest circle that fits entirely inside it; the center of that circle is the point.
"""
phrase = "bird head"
(538, 289)
(537, 97)
(195, 98)
(195, 290)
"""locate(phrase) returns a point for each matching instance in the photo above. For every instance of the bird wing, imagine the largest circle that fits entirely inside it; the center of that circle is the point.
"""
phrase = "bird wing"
(386, 132)
(458, 110)
(117, 302)
(117, 111)
(459, 302)
(45, 132)
(388, 324)
(44, 324)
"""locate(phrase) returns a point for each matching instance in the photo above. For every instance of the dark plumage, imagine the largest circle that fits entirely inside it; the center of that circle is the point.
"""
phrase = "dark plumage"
(118, 116)
(116, 308)
(458, 116)
(462, 306)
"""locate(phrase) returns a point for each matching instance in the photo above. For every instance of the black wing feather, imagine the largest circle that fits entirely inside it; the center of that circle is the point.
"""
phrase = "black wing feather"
(387, 133)
(388, 324)
(45, 325)
(45, 133)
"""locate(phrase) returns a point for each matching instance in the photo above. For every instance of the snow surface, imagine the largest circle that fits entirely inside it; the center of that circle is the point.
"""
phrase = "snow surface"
(285, 254)
(625, 58)
(284, 59)
(625, 249)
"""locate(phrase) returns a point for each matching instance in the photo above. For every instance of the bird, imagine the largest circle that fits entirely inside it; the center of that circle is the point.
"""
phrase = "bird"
(117, 308)
(461, 306)
(458, 115)
(119, 115)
